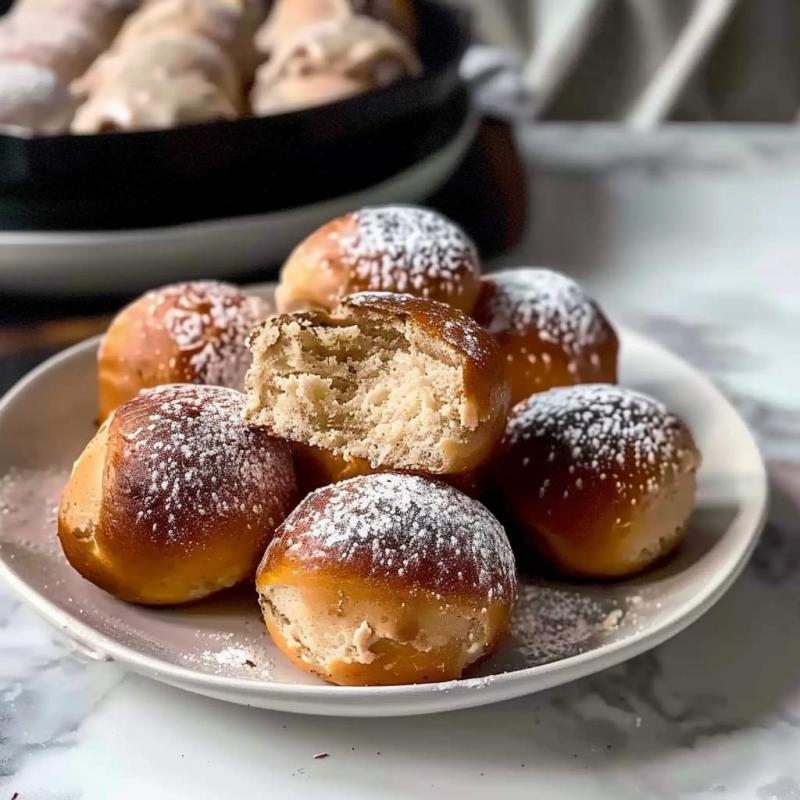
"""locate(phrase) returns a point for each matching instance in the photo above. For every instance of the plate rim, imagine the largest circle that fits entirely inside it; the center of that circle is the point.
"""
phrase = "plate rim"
(461, 692)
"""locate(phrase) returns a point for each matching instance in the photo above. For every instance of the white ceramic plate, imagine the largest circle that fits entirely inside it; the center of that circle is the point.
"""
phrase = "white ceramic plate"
(128, 261)
(218, 648)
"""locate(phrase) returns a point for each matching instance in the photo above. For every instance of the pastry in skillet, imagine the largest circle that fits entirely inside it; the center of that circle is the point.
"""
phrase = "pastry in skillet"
(354, 51)
(393, 380)
(597, 478)
(229, 24)
(147, 103)
(288, 18)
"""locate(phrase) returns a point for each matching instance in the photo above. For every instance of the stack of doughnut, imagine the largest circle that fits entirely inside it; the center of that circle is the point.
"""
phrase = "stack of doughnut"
(97, 66)
(394, 390)
(44, 45)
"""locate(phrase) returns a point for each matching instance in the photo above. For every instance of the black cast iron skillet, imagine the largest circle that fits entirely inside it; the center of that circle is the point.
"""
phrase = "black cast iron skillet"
(215, 170)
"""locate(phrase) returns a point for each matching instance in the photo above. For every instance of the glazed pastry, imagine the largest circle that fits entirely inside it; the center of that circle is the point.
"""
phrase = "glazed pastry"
(598, 479)
(358, 48)
(183, 333)
(290, 17)
(175, 62)
(151, 104)
(549, 331)
(400, 382)
(175, 498)
(230, 24)
(387, 579)
(162, 60)
(399, 249)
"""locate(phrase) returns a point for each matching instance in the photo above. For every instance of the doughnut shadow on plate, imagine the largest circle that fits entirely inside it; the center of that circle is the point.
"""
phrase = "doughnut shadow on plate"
(702, 535)
(238, 601)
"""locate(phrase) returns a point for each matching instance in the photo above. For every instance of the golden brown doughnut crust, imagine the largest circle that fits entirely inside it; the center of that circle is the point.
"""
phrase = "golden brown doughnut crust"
(402, 555)
(549, 331)
(399, 249)
(597, 478)
(175, 497)
(182, 333)
(396, 661)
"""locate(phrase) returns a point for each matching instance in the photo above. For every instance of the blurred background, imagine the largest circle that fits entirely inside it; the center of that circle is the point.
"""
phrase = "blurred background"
(648, 62)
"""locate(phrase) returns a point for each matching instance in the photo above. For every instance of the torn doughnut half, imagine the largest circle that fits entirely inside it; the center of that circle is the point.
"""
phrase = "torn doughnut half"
(400, 382)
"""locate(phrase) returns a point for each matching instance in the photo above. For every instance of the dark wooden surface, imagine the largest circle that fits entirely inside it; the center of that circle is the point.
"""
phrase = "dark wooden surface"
(486, 195)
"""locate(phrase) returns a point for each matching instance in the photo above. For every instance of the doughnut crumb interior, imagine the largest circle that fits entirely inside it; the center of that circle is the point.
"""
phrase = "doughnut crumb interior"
(394, 380)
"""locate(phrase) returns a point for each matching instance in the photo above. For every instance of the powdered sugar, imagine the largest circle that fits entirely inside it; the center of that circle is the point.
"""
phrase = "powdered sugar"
(603, 428)
(406, 249)
(188, 455)
(547, 301)
(209, 323)
(551, 623)
(403, 527)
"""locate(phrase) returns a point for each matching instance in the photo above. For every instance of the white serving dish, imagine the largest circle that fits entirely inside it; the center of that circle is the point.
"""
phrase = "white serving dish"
(49, 416)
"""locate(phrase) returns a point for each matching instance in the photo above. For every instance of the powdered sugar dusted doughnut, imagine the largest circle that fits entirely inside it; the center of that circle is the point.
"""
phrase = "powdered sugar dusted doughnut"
(165, 59)
(551, 333)
(33, 99)
(183, 333)
(175, 497)
(174, 62)
(388, 248)
(147, 102)
(289, 17)
(387, 579)
(296, 92)
(229, 24)
(599, 478)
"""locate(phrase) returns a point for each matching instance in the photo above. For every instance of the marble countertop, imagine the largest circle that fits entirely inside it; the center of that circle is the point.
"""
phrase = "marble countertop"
(692, 239)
